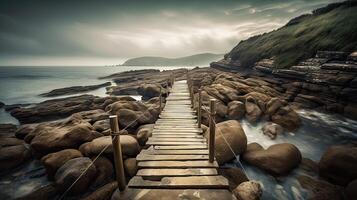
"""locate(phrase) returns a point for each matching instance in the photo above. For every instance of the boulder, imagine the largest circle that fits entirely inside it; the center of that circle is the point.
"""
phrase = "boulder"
(273, 105)
(287, 118)
(338, 164)
(272, 130)
(234, 175)
(68, 173)
(249, 190)
(229, 131)
(319, 189)
(351, 190)
(105, 172)
(74, 90)
(101, 125)
(53, 161)
(143, 133)
(253, 111)
(55, 136)
(13, 156)
(25, 129)
(103, 193)
(42, 193)
(309, 166)
(278, 159)
(93, 115)
(129, 145)
(149, 91)
(130, 167)
(236, 110)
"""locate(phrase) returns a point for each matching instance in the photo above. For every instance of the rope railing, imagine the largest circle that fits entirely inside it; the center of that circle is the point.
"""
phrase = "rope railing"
(115, 135)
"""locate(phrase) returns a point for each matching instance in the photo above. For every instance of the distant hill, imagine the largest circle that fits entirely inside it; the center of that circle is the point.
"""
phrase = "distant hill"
(333, 27)
(194, 60)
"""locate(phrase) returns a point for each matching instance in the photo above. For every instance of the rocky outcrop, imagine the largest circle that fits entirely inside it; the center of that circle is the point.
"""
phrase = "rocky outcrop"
(232, 133)
(320, 189)
(278, 159)
(149, 91)
(272, 130)
(234, 175)
(143, 133)
(236, 110)
(53, 161)
(248, 190)
(105, 172)
(338, 164)
(71, 171)
(103, 193)
(74, 90)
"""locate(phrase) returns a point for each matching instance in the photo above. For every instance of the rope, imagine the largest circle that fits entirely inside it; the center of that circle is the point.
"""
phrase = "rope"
(101, 152)
(229, 146)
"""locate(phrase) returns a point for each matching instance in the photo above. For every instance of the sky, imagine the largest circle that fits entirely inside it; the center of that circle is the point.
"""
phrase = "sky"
(75, 32)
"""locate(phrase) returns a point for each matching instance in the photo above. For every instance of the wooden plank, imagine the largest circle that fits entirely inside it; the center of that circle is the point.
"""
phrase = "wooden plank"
(145, 157)
(177, 136)
(176, 152)
(177, 139)
(176, 172)
(178, 164)
(181, 147)
(191, 182)
(173, 143)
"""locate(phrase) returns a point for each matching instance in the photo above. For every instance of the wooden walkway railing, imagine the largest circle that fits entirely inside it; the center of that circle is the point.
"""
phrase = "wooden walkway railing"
(177, 165)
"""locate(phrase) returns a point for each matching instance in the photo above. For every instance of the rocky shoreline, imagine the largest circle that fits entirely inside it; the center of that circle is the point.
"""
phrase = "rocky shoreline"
(67, 134)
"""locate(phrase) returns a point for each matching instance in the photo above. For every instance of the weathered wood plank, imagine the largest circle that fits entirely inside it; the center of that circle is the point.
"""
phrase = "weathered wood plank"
(145, 157)
(176, 172)
(178, 164)
(182, 147)
(177, 139)
(174, 143)
(176, 152)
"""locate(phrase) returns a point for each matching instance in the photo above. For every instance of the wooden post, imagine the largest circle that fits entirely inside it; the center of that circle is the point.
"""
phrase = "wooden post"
(192, 94)
(212, 130)
(199, 109)
(118, 157)
(160, 99)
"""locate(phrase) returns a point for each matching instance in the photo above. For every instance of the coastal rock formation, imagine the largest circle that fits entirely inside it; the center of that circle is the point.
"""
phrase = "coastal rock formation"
(248, 190)
(74, 90)
(338, 164)
(143, 133)
(320, 189)
(232, 133)
(278, 159)
(272, 130)
(105, 172)
(234, 175)
(130, 167)
(149, 91)
(130, 146)
(101, 125)
(54, 136)
(71, 171)
(236, 110)
(103, 193)
(53, 161)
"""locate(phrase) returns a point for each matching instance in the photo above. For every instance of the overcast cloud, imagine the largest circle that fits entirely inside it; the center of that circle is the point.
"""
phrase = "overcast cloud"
(73, 32)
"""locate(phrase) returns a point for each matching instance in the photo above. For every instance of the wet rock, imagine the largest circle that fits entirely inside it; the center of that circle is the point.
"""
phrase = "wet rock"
(71, 171)
(130, 167)
(94, 115)
(103, 193)
(253, 111)
(143, 133)
(272, 130)
(338, 164)
(278, 159)
(320, 189)
(10, 141)
(309, 166)
(74, 90)
(13, 156)
(42, 193)
(25, 129)
(236, 110)
(149, 91)
(7, 130)
(101, 125)
(287, 118)
(221, 92)
(130, 146)
(273, 105)
(234, 134)
(249, 190)
(105, 172)
(235, 176)
(53, 161)
(51, 137)
(351, 190)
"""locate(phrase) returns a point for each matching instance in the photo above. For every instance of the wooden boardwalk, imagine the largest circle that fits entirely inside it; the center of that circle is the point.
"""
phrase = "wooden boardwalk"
(176, 164)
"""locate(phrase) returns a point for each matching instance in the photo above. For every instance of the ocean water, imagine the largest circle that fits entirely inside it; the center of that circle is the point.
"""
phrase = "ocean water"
(23, 85)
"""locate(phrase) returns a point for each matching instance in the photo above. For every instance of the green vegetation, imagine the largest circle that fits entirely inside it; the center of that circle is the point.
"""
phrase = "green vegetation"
(333, 27)
(194, 60)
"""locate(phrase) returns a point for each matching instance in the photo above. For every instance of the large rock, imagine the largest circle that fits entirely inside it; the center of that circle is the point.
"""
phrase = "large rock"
(272, 130)
(253, 111)
(278, 159)
(234, 175)
(320, 190)
(287, 118)
(52, 137)
(101, 125)
(273, 105)
(130, 167)
(229, 131)
(93, 115)
(249, 190)
(13, 156)
(105, 171)
(130, 146)
(68, 173)
(103, 193)
(74, 90)
(236, 110)
(53, 161)
(143, 133)
(338, 164)
(25, 129)
(149, 91)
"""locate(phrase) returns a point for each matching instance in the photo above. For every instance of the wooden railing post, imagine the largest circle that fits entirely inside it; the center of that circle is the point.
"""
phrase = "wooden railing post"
(199, 109)
(192, 94)
(212, 130)
(160, 99)
(118, 157)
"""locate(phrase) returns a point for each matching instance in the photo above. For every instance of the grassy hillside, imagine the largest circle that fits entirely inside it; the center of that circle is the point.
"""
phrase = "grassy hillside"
(333, 27)
(199, 59)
